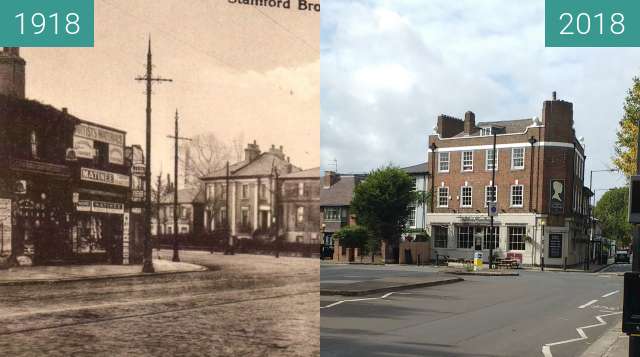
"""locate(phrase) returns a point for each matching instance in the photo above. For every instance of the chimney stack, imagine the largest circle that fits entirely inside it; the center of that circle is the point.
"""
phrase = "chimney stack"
(553, 95)
(251, 152)
(469, 122)
(329, 179)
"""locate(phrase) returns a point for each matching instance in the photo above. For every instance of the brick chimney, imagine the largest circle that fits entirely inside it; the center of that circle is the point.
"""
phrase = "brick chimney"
(469, 122)
(449, 126)
(279, 152)
(252, 151)
(12, 72)
(329, 179)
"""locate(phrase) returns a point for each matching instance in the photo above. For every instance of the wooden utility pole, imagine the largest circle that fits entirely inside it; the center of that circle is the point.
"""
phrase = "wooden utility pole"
(147, 260)
(176, 256)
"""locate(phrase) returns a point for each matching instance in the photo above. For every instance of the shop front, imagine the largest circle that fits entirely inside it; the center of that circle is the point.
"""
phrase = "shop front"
(99, 229)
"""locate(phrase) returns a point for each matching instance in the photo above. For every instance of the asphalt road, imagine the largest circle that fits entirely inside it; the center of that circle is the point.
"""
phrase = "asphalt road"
(248, 306)
(482, 316)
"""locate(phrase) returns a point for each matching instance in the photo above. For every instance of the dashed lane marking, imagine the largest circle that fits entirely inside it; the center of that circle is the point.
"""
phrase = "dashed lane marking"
(587, 304)
(611, 293)
(546, 349)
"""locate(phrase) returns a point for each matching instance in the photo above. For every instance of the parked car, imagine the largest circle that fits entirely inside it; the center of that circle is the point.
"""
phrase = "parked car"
(622, 256)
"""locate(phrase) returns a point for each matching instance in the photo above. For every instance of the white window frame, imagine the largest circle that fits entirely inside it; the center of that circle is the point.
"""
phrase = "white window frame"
(332, 218)
(300, 189)
(487, 234)
(513, 166)
(495, 160)
(470, 234)
(486, 131)
(244, 190)
(300, 214)
(440, 196)
(486, 196)
(462, 196)
(521, 197)
(411, 222)
(523, 243)
(462, 160)
(440, 161)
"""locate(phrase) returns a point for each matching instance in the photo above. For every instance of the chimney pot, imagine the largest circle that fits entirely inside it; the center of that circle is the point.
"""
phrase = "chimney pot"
(553, 95)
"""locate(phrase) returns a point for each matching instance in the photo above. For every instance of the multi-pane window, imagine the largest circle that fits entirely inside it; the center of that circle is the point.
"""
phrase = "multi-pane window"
(516, 238)
(491, 238)
(443, 196)
(490, 194)
(263, 191)
(33, 140)
(300, 189)
(492, 159)
(466, 196)
(465, 237)
(245, 216)
(517, 195)
(412, 216)
(331, 214)
(443, 162)
(517, 158)
(485, 131)
(245, 191)
(300, 214)
(467, 161)
(440, 236)
(415, 183)
(223, 215)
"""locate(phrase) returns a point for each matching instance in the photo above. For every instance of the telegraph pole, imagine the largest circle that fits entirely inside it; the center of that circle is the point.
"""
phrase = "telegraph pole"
(494, 191)
(176, 256)
(147, 261)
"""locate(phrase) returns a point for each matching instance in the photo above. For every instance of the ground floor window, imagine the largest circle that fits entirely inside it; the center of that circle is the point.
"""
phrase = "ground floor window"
(465, 237)
(491, 238)
(91, 233)
(440, 236)
(516, 238)
(555, 245)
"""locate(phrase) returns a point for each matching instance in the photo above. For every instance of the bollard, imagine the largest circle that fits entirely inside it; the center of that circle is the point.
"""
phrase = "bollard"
(564, 264)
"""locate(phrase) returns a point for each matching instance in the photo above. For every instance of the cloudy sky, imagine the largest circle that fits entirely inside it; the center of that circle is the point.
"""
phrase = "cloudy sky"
(390, 67)
(237, 69)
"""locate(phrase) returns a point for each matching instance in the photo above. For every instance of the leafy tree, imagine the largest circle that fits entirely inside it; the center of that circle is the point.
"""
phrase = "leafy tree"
(625, 148)
(352, 236)
(611, 210)
(381, 204)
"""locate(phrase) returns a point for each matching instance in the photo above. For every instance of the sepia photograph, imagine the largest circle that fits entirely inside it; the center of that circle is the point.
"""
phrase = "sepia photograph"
(159, 190)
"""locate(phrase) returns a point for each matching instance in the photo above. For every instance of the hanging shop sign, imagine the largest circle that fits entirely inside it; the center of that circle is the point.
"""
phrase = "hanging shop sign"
(137, 196)
(116, 154)
(83, 206)
(125, 238)
(138, 170)
(109, 178)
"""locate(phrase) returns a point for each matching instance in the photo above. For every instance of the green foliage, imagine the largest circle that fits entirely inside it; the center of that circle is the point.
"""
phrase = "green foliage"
(381, 203)
(625, 148)
(352, 236)
(611, 210)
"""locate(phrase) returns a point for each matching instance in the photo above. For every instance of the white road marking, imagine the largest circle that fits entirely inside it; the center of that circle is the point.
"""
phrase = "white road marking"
(611, 293)
(546, 349)
(354, 300)
(587, 304)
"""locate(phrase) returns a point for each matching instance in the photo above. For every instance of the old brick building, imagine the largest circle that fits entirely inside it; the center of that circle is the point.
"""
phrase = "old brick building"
(539, 190)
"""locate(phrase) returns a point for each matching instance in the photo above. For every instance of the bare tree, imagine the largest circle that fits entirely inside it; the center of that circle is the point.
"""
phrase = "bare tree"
(204, 155)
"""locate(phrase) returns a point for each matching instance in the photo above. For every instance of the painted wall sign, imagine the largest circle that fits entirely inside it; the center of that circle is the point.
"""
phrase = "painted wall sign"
(109, 178)
(100, 207)
(116, 154)
(83, 147)
(99, 134)
(556, 205)
(83, 206)
(5, 226)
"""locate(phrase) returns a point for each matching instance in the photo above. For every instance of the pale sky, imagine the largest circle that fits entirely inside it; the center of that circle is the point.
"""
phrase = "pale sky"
(390, 67)
(236, 69)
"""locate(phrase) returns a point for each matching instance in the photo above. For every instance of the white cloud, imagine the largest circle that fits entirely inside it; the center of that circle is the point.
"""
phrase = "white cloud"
(388, 68)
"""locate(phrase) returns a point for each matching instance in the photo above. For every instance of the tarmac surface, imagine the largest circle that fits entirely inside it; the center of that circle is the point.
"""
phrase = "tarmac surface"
(534, 314)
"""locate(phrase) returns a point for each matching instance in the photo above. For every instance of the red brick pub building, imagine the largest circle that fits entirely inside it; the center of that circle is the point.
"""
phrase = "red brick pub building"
(539, 187)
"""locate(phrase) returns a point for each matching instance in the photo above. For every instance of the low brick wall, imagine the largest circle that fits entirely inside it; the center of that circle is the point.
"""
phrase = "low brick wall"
(420, 252)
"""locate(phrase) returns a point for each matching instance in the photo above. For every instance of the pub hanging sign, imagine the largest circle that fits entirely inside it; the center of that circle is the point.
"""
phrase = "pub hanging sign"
(556, 205)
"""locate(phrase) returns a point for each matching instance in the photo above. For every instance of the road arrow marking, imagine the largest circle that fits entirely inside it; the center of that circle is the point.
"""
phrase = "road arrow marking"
(546, 349)
(587, 304)
(611, 293)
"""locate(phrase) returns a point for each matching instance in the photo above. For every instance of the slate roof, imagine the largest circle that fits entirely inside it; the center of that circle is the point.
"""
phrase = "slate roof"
(341, 192)
(185, 195)
(417, 169)
(508, 126)
(313, 173)
(261, 166)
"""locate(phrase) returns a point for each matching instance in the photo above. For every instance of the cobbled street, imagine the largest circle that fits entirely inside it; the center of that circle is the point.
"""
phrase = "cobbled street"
(244, 306)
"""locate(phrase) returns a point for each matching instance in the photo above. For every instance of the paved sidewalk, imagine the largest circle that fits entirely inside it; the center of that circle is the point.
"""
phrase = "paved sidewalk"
(43, 274)
(612, 343)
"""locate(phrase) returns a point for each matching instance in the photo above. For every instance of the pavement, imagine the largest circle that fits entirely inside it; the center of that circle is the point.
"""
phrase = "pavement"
(535, 314)
(52, 274)
(374, 286)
